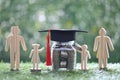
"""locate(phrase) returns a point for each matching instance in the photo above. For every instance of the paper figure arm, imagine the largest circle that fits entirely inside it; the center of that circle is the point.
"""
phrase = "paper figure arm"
(89, 56)
(109, 42)
(7, 44)
(95, 44)
(31, 53)
(40, 50)
(23, 44)
(79, 51)
(77, 47)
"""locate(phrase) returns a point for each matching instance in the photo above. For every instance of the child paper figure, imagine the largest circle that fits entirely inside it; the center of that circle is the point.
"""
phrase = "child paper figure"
(101, 46)
(35, 55)
(13, 41)
(84, 56)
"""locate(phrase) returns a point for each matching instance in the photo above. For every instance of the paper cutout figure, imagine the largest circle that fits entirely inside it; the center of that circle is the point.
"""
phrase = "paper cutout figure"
(13, 42)
(84, 56)
(101, 46)
(35, 56)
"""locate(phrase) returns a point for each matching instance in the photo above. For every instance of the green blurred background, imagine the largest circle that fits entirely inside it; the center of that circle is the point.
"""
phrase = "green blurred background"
(34, 15)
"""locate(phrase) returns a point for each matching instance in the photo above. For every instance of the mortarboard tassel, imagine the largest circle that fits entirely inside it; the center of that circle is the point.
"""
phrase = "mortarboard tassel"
(48, 56)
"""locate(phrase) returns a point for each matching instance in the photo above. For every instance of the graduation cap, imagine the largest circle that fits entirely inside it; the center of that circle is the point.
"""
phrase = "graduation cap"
(61, 35)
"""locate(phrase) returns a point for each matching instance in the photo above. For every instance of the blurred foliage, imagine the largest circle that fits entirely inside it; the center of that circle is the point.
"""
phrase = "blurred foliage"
(34, 15)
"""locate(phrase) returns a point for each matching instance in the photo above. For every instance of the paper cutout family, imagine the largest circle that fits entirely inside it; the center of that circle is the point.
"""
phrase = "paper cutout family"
(101, 46)
(34, 54)
(13, 42)
(63, 51)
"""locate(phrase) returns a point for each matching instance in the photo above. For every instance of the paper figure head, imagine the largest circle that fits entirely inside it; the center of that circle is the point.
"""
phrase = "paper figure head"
(15, 30)
(36, 46)
(84, 47)
(102, 32)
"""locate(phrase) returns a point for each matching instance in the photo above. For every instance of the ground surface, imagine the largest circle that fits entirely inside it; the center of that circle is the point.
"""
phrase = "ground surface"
(113, 73)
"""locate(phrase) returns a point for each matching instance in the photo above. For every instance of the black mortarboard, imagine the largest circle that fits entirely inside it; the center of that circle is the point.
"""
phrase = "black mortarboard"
(62, 35)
